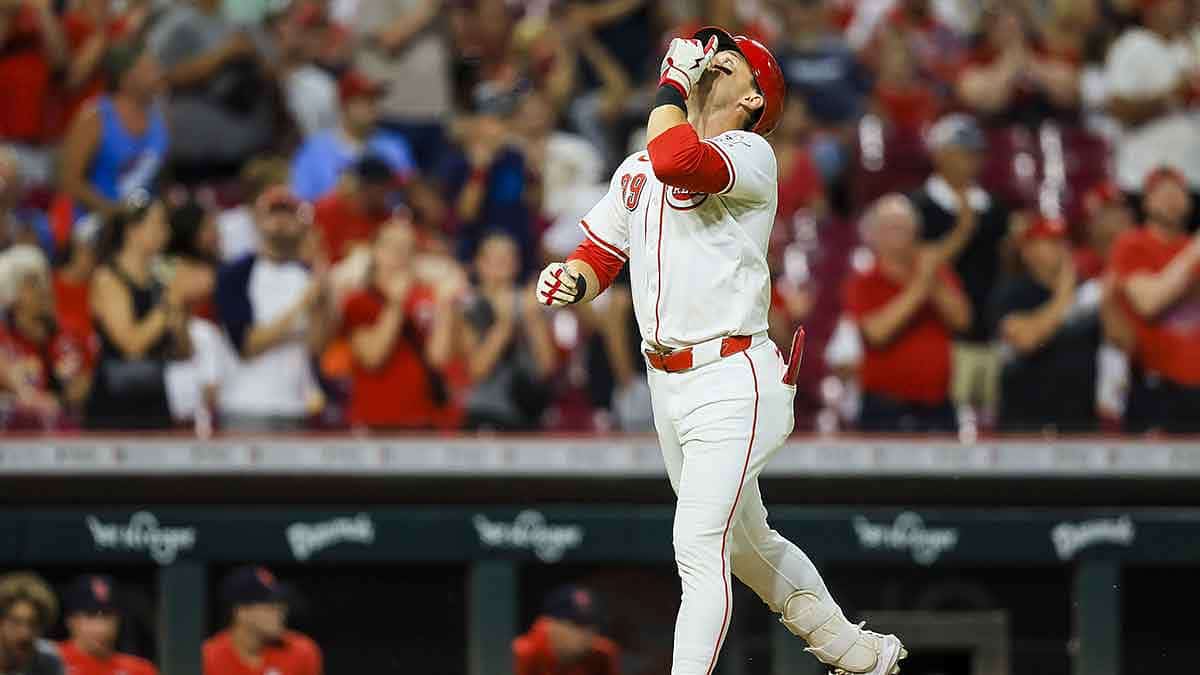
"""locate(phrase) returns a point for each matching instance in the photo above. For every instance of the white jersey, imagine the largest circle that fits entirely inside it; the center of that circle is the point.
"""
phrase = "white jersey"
(697, 262)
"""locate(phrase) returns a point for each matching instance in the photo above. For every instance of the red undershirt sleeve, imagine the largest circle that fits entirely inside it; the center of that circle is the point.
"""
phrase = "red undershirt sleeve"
(681, 159)
(603, 262)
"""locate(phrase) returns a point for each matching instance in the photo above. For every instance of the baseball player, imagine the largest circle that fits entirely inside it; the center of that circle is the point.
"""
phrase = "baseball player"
(692, 215)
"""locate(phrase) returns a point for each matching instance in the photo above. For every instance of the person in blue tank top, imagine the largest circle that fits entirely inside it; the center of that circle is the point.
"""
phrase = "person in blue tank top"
(116, 145)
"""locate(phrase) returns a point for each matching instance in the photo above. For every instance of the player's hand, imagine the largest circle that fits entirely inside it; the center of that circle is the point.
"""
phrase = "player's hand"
(685, 62)
(558, 286)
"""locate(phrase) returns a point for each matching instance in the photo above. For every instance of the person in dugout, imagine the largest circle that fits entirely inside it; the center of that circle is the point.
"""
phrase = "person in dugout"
(93, 620)
(257, 641)
(563, 639)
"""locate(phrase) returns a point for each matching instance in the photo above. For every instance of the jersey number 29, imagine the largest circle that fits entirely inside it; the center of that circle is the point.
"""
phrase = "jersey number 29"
(631, 189)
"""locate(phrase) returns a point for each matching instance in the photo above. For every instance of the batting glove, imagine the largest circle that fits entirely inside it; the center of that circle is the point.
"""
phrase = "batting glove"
(685, 63)
(557, 286)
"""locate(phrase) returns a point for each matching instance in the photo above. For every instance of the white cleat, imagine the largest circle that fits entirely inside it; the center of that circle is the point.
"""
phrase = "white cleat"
(888, 658)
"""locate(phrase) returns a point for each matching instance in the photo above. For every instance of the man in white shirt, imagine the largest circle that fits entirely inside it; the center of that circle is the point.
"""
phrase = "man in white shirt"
(1149, 72)
(277, 314)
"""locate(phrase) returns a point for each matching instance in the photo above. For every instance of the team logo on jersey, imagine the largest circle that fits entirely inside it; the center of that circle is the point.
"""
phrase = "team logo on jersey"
(683, 199)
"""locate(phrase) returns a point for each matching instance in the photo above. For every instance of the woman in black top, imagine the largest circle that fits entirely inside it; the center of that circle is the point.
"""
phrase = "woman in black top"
(140, 323)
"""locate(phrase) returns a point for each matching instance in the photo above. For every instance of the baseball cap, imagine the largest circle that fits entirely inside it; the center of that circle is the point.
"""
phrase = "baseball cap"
(354, 85)
(252, 585)
(957, 130)
(1163, 173)
(91, 594)
(572, 603)
(374, 170)
(1043, 227)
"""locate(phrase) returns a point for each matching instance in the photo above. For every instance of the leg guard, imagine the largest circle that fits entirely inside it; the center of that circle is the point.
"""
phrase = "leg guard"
(830, 636)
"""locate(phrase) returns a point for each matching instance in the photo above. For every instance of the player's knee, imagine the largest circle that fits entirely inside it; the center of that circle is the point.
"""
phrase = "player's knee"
(695, 546)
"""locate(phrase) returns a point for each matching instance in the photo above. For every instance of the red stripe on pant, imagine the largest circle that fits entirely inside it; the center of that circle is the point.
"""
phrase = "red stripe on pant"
(732, 512)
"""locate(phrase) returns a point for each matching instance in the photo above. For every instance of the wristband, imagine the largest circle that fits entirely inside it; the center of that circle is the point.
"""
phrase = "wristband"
(669, 95)
(580, 288)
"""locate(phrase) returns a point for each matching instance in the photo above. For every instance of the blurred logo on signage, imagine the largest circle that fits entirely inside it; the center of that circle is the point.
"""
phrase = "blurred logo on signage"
(529, 531)
(906, 533)
(305, 539)
(143, 533)
(1071, 538)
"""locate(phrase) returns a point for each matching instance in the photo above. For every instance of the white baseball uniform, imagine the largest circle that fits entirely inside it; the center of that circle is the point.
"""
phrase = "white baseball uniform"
(698, 269)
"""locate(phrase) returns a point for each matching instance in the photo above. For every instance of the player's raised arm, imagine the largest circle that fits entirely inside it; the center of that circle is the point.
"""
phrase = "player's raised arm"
(710, 85)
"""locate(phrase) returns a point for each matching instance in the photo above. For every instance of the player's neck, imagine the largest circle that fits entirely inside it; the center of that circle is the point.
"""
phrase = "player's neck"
(709, 123)
(248, 645)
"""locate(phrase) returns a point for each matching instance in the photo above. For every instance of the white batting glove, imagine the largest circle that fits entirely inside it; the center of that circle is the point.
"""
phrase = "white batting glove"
(558, 286)
(685, 63)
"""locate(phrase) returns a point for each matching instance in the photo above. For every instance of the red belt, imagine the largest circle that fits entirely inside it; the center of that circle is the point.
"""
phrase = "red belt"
(681, 359)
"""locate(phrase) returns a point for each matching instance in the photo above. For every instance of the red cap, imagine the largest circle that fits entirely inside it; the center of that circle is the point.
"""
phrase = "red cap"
(1163, 173)
(354, 84)
(1044, 228)
(1102, 194)
(763, 66)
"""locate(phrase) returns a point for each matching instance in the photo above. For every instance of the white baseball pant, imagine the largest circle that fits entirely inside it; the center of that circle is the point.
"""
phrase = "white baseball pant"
(718, 425)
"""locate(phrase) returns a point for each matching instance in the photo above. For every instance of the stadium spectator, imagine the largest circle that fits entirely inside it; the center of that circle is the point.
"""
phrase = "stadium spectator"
(92, 28)
(141, 324)
(906, 306)
(349, 216)
(34, 49)
(1149, 72)
(908, 102)
(563, 639)
(1008, 78)
(822, 69)
(117, 145)
(72, 287)
(401, 332)
(19, 224)
(486, 176)
(1155, 269)
(958, 145)
(1107, 215)
(563, 164)
(43, 365)
(310, 91)
(257, 639)
(276, 313)
(506, 339)
(221, 92)
(236, 230)
(405, 46)
(1051, 335)
(27, 608)
(801, 186)
(193, 249)
(93, 618)
(324, 156)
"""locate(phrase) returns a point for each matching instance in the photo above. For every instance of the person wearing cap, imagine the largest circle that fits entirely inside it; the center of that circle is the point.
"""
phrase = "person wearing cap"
(348, 217)
(693, 214)
(27, 609)
(1149, 74)
(327, 154)
(1107, 214)
(1156, 270)
(93, 619)
(906, 307)
(1050, 334)
(969, 224)
(257, 640)
(277, 314)
(116, 145)
(563, 639)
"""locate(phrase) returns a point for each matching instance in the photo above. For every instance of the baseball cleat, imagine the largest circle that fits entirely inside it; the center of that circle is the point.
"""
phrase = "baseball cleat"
(891, 652)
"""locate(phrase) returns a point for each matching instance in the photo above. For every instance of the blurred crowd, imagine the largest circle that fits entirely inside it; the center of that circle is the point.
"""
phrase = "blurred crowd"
(270, 215)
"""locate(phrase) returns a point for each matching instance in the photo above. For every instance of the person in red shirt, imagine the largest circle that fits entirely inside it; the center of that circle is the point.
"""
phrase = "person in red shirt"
(32, 49)
(349, 215)
(40, 365)
(93, 621)
(1157, 272)
(401, 333)
(257, 641)
(1107, 215)
(906, 306)
(563, 639)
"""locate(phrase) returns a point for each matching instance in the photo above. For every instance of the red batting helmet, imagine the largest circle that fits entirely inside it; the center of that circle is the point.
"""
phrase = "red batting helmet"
(763, 67)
